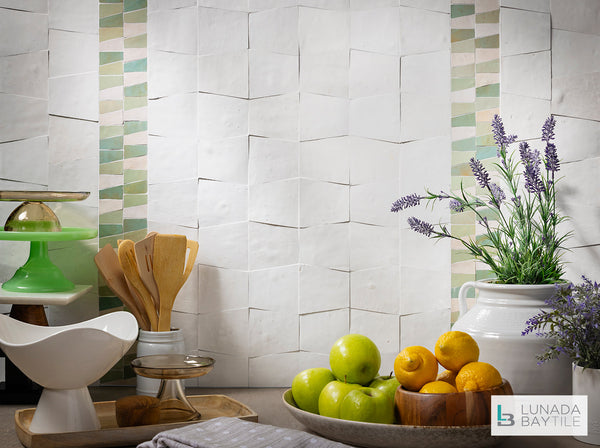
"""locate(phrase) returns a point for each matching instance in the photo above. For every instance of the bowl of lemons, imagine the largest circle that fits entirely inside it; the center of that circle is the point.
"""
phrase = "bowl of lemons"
(458, 396)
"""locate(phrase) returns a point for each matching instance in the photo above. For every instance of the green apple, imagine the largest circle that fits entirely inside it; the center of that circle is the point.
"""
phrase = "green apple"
(354, 358)
(331, 397)
(307, 386)
(367, 404)
(387, 384)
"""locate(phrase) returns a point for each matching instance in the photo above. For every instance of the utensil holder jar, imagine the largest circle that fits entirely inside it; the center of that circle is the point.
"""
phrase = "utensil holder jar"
(157, 343)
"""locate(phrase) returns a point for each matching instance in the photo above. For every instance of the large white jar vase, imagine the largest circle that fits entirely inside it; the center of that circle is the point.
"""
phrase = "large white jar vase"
(587, 382)
(496, 321)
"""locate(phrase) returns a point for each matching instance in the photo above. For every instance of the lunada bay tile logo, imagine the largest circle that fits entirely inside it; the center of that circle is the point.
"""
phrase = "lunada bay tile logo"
(539, 415)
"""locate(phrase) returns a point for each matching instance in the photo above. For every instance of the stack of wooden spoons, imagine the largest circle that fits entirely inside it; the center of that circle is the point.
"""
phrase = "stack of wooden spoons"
(148, 274)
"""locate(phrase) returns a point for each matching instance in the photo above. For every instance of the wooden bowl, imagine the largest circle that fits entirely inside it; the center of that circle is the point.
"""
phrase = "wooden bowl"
(471, 408)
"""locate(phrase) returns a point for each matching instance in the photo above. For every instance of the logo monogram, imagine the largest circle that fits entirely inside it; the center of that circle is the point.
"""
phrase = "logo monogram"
(505, 419)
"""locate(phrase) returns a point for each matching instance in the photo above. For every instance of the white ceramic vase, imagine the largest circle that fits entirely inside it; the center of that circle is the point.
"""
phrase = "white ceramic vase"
(157, 343)
(497, 321)
(587, 382)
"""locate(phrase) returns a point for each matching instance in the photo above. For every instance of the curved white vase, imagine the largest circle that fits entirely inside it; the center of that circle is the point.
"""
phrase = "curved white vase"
(65, 360)
(587, 382)
(497, 321)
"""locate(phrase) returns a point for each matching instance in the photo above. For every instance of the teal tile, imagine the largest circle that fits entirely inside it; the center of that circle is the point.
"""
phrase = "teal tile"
(131, 127)
(112, 193)
(467, 144)
(137, 90)
(139, 65)
(136, 187)
(110, 156)
(107, 57)
(461, 10)
(130, 225)
(109, 229)
(133, 5)
(463, 120)
(491, 90)
(135, 151)
(115, 21)
(111, 143)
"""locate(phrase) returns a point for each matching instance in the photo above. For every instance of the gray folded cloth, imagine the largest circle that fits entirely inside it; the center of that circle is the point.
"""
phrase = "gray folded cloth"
(231, 432)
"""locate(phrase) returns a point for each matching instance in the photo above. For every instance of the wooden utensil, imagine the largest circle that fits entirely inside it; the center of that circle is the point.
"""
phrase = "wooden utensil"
(130, 268)
(108, 265)
(144, 250)
(192, 248)
(169, 265)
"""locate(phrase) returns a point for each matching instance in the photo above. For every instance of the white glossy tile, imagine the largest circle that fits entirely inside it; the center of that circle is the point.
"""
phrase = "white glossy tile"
(577, 96)
(75, 175)
(373, 246)
(174, 202)
(376, 117)
(220, 31)
(174, 30)
(370, 4)
(325, 4)
(224, 246)
(84, 308)
(423, 116)
(581, 261)
(372, 160)
(375, 30)
(319, 331)
(29, 31)
(580, 16)
(272, 73)
(221, 203)
(432, 5)
(171, 159)
(271, 246)
(278, 370)
(323, 30)
(370, 203)
(188, 324)
(225, 160)
(235, 5)
(373, 74)
(271, 160)
(275, 117)
(523, 31)
(74, 15)
(25, 160)
(524, 116)
(322, 116)
(569, 130)
(419, 293)
(327, 246)
(326, 159)
(22, 117)
(170, 73)
(274, 30)
(530, 5)
(187, 298)
(224, 332)
(274, 203)
(221, 117)
(224, 73)
(424, 328)
(426, 73)
(159, 5)
(72, 53)
(325, 72)
(229, 371)
(74, 96)
(432, 33)
(322, 203)
(383, 329)
(173, 116)
(221, 289)
(322, 289)
(25, 74)
(418, 251)
(376, 289)
(259, 5)
(574, 54)
(272, 332)
(274, 289)
(534, 82)
(31, 5)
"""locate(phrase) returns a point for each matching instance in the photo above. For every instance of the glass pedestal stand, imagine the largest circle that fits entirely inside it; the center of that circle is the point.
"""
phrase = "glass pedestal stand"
(170, 369)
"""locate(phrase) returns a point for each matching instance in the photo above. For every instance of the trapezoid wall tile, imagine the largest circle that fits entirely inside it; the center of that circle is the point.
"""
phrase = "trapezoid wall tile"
(370, 203)
(221, 31)
(322, 116)
(373, 246)
(271, 246)
(224, 332)
(423, 116)
(529, 5)
(224, 159)
(40, 6)
(432, 34)
(524, 31)
(271, 74)
(319, 331)
(424, 328)
(271, 159)
(75, 175)
(23, 117)
(372, 160)
(64, 102)
(326, 245)
(224, 73)
(322, 203)
(326, 159)
(570, 129)
(25, 74)
(260, 5)
(221, 203)
(25, 160)
(574, 54)
(275, 30)
(426, 73)
(171, 73)
(279, 369)
(159, 5)
(224, 246)
(74, 15)
(373, 74)
(179, 28)
(174, 202)
(431, 5)
(274, 289)
(581, 16)
(376, 289)
(234, 5)
(383, 329)
(577, 96)
(272, 332)
(322, 289)
(524, 116)
(174, 116)
(375, 30)
(376, 117)
(221, 289)
(325, 72)
(414, 298)
(534, 82)
(274, 117)
(229, 371)
(325, 4)
(172, 159)
(72, 53)
(14, 22)
(323, 30)
(274, 203)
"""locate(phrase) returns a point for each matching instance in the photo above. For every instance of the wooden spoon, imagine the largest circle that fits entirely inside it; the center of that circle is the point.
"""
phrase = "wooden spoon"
(144, 252)
(169, 265)
(192, 246)
(130, 268)
(107, 262)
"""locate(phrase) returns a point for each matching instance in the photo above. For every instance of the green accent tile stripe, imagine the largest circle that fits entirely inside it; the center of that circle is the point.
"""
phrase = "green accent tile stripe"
(461, 10)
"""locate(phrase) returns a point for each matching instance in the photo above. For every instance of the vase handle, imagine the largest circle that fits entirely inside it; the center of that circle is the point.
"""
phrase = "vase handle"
(462, 297)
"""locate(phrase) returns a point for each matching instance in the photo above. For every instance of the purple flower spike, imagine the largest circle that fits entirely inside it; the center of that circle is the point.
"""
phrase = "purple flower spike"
(500, 136)
(552, 163)
(420, 226)
(531, 161)
(548, 129)
(482, 176)
(456, 206)
(411, 200)
(497, 193)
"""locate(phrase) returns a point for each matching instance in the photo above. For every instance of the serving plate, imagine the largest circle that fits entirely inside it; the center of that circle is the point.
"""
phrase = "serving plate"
(375, 435)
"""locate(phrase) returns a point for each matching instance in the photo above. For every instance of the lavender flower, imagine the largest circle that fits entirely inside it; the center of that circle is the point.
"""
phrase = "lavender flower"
(531, 161)
(480, 173)
(548, 129)
(552, 163)
(497, 193)
(500, 136)
(411, 200)
(456, 206)
(420, 226)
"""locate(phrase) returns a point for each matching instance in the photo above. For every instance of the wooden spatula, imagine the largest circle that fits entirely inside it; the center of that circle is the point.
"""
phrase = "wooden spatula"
(192, 247)
(144, 252)
(169, 264)
(108, 265)
(130, 268)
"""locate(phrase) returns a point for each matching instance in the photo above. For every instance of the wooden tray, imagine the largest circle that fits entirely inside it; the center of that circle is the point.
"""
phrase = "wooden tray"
(110, 435)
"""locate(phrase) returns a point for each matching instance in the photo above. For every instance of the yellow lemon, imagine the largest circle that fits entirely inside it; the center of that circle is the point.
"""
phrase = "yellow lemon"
(448, 376)
(454, 349)
(477, 376)
(414, 366)
(438, 387)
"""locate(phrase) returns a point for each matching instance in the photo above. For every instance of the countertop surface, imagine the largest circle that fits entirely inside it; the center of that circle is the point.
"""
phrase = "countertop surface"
(267, 403)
